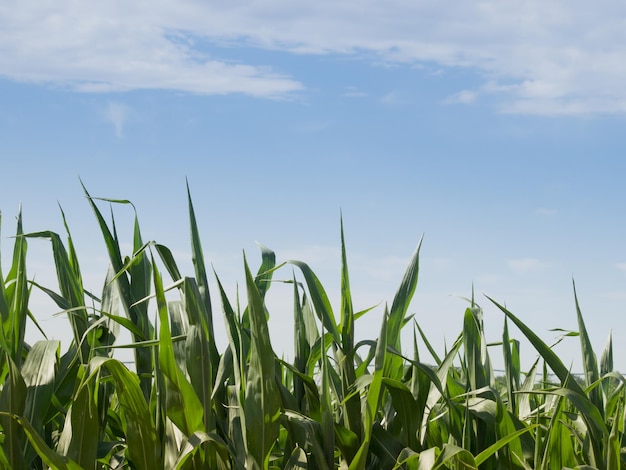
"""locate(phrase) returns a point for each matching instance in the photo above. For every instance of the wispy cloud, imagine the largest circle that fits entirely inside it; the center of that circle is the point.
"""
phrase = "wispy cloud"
(522, 265)
(117, 114)
(536, 58)
(354, 92)
(462, 97)
(392, 99)
(116, 46)
(621, 266)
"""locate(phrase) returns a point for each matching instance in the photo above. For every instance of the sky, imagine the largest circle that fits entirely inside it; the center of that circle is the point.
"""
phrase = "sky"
(493, 129)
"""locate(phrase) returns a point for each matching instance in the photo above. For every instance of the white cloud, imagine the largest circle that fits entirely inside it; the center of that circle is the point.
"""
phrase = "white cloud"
(117, 46)
(117, 114)
(536, 57)
(462, 97)
(621, 266)
(392, 99)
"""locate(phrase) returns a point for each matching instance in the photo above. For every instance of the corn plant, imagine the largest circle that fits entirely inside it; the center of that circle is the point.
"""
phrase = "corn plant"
(342, 402)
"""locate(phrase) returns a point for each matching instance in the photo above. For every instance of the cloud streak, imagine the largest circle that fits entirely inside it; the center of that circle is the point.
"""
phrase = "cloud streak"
(535, 57)
(117, 114)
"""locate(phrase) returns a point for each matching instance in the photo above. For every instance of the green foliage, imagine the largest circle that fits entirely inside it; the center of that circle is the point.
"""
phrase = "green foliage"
(341, 402)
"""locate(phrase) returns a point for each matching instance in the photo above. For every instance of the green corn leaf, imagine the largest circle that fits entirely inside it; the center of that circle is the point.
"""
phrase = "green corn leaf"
(436, 391)
(12, 403)
(38, 372)
(398, 312)
(225, 372)
(507, 424)
(200, 369)
(198, 264)
(109, 307)
(4, 304)
(194, 443)
(407, 410)
(71, 287)
(297, 460)
(429, 346)
(236, 427)
(327, 416)
(590, 364)
(476, 354)
(500, 443)
(546, 352)
(511, 368)
(313, 432)
(265, 273)
(126, 323)
(347, 312)
(591, 415)
(588, 411)
(262, 405)
(403, 298)
(606, 362)
(606, 365)
(427, 458)
(143, 448)
(420, 385)
(452, 454)
(143, 357)
(373, 398)
(320, 300)
(613, 454)
(525, 408)
(72, 256)
(385, 447)
(51, 458)
(198, 315)
(313, 400)
(345, 357)
(182, 404)
(408, 459)
(178, 327)
(302, 347)
(168, 260)
(560, 451)
(347, 441)
(237, 342)
(17, 293)
(81, 433)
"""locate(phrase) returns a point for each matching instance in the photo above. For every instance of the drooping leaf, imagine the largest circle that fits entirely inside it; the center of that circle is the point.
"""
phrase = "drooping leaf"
(51, 458)
(143, 448)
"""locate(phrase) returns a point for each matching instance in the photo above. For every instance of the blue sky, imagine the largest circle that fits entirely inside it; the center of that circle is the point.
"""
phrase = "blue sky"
(494, 129)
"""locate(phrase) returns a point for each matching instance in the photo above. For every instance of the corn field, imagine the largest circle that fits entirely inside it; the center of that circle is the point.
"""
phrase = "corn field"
(341, 403)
